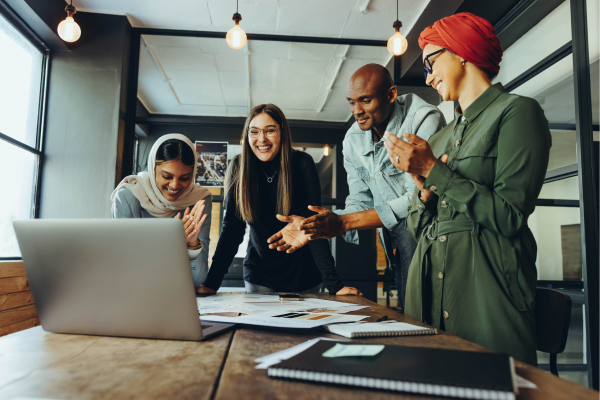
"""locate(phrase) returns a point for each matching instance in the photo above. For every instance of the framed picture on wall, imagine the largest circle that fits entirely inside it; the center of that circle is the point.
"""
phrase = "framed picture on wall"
(211, 163)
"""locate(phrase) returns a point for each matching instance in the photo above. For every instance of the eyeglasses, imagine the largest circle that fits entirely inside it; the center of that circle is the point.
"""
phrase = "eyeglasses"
(428, 65)
(270, 131)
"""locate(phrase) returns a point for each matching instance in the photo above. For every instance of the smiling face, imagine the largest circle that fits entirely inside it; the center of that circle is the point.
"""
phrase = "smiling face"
(172, 178)
(266, 140)
(447, 72)
(371, 96)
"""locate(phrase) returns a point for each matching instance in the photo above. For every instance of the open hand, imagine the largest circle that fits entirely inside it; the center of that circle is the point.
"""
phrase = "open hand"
(325, 225)
(414, 157)
(192, 223)
(348, 291)
(291, 237)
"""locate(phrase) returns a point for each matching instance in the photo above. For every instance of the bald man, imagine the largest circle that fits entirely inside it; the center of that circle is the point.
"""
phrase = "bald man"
(379, 193)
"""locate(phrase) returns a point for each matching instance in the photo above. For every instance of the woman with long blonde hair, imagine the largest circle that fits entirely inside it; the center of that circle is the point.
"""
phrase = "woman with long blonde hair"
(268, 178)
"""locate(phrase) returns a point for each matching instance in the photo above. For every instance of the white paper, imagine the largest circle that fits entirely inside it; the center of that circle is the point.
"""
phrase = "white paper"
(260, 304)
(523, 383)
(285, 319)
(353, 350)
(275, 358)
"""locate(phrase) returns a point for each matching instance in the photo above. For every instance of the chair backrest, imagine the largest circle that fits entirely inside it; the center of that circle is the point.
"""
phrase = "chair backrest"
(552, 318)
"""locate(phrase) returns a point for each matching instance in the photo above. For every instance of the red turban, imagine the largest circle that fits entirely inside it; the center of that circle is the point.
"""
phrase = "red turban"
(468, 36)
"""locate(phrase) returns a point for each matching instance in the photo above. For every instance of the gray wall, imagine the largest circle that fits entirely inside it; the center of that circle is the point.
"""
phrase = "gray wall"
(85, 116)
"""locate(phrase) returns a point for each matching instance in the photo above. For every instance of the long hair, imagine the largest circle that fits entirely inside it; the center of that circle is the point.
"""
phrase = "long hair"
(242, 176)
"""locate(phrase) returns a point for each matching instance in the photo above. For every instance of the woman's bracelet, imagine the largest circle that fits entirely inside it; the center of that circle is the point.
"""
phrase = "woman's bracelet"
(196, 247)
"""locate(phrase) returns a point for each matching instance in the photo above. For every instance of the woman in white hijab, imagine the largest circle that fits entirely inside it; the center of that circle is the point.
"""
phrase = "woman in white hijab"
(167, 190)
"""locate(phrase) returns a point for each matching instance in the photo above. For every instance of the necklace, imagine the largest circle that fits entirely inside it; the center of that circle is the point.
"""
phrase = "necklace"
(269, 178)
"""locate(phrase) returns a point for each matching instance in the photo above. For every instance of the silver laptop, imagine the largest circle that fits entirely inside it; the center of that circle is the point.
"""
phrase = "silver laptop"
(121, 277)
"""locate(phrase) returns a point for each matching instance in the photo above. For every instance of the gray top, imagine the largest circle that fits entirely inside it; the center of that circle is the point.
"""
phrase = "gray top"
(128, 206)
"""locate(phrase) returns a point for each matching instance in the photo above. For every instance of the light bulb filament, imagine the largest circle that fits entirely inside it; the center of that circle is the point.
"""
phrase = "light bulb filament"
(397, 46)
(236, 38)
(69, 31)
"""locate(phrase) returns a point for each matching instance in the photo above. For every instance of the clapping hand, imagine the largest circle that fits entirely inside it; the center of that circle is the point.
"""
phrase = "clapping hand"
(192, 223)
(291, 237)
(414, 156)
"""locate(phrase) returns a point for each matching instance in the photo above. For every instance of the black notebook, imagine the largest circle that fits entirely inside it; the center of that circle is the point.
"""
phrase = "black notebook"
(452, 373)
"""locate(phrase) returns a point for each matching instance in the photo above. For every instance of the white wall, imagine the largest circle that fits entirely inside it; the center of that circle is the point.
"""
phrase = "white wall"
(545, 223)
(447, 109)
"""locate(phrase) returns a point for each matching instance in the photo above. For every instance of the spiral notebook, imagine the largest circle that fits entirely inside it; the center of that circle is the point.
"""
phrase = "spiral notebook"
(378, 329)
(439, 372)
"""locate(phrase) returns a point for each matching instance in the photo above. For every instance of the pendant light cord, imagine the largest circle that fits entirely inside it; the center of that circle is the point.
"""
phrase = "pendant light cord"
(397, 1)
(237, 3)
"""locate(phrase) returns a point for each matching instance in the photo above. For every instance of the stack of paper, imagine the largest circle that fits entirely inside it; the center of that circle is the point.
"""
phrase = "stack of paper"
(268, 310)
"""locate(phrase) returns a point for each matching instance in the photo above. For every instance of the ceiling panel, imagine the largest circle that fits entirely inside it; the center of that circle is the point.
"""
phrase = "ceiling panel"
(186, 59)
(195, 77)
(360, 19)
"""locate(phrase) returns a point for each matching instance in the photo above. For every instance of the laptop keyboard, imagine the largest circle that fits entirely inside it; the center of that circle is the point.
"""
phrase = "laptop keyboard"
(206, 326)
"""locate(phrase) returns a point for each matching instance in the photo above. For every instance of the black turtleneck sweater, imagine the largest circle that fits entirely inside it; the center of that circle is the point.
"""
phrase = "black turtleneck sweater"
(301, 270)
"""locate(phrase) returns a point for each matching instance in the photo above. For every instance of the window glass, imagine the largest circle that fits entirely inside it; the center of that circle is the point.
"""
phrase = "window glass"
(539, 42)
(20, 82)
(17, 199)
(557, 232)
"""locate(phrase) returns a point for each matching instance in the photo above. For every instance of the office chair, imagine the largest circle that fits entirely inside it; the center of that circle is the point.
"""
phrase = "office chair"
(552, 318)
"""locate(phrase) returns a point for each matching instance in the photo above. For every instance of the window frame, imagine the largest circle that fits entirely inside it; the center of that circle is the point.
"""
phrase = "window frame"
(13, 19)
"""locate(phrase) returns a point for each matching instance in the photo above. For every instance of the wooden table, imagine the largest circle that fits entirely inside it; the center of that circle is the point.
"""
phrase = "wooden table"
(34, 363)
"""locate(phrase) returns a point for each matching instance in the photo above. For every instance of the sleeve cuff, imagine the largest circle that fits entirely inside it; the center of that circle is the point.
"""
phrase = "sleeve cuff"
(438, 178)
(351, 237)
(387, 216)
(335, 288)
(193, 254)
(399, 207)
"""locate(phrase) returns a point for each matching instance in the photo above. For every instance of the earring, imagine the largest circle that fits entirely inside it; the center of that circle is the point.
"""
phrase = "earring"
(463, 63)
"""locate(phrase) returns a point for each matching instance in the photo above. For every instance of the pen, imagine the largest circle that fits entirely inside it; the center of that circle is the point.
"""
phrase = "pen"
(384, 318)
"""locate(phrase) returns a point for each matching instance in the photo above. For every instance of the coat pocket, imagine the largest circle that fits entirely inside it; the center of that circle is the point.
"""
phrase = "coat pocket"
(486, 146)
(511, 273)
(363, 173)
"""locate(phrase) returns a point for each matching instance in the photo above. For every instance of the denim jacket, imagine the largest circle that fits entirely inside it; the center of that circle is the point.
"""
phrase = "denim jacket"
(373, 180)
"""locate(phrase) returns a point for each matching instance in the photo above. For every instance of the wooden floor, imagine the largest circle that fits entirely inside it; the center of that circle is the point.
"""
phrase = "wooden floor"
(37, 364)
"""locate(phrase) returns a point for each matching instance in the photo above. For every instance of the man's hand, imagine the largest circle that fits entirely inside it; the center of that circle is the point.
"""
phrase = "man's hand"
(348, 291)
(325, 225)
(291, 237)
(414, 157)
(205, 291)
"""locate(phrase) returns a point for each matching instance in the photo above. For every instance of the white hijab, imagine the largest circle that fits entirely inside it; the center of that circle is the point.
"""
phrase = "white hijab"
(143, 185)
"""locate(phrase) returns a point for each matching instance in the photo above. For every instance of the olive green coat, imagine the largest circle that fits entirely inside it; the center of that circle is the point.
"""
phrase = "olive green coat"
(473, 273)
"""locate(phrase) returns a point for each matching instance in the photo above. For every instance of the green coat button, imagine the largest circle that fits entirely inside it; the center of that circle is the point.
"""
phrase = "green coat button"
(444, 204)
(446, 315)
(441, 275)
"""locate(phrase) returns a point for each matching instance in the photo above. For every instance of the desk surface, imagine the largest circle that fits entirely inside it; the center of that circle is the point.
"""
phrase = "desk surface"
(34, 363)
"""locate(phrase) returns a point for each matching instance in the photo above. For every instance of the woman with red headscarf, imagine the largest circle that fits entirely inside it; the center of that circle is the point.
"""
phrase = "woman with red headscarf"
(478, 179)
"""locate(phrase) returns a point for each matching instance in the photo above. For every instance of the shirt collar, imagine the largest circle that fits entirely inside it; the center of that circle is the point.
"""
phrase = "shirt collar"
(392, 126)
(479, 105)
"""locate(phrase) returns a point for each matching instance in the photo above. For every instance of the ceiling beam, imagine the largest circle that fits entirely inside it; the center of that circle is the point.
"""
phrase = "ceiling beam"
(271, 38)
(436, 9)
(162, 119)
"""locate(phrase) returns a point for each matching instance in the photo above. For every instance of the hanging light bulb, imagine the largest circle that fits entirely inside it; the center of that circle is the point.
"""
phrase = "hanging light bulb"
(68, 30)
(326, 150)
(397, 44)
(236, 37)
